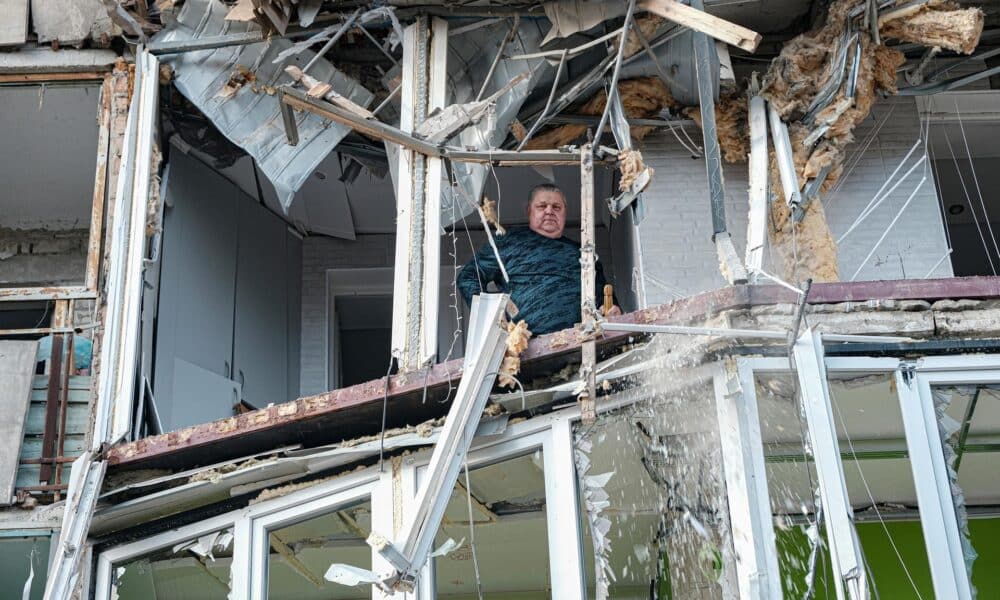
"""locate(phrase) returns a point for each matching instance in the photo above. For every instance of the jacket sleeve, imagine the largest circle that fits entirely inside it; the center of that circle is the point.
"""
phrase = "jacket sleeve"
(478, 273)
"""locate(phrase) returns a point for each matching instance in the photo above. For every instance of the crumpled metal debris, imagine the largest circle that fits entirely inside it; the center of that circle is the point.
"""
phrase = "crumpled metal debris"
(250, 116)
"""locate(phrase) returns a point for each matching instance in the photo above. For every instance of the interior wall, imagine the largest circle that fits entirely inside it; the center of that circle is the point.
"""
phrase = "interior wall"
(677, 234)
(228, 307)
(47, 180)
(973, 220)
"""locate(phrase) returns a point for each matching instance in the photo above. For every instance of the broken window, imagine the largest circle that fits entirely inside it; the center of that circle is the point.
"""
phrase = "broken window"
(24, 562)
(651, 492)
(498, 521)
(49, 198)
(878, 475)
(300, 554)
(196, 569)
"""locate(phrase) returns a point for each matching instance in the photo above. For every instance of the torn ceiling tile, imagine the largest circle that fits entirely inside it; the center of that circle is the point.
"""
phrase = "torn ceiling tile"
(70, 22)
(234, 87)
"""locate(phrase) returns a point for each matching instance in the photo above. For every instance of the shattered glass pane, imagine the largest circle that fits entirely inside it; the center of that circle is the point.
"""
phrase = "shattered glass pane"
(197, 569)
(651, 497)
(300, 554)
(511, 542)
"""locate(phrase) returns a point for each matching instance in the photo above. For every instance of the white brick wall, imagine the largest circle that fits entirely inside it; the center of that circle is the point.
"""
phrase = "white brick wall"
(676, 235)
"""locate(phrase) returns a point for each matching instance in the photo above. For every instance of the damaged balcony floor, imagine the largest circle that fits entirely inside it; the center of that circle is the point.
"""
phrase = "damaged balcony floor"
(357, 410)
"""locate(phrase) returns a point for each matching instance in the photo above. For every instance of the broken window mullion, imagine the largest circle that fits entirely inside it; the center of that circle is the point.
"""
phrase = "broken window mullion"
(563, 521)
(938, 521)
(845, 547)
(749, 502)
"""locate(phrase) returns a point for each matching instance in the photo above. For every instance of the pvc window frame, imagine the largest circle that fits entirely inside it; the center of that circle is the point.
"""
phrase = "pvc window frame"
(914, 381)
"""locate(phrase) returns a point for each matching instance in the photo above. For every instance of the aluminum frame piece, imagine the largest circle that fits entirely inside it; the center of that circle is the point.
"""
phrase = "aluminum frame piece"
(752, 526)
(252, 119)
(487, 343)
(81, 498)
(938, 520)
(845, 548)
(120, 344)
(757, 219)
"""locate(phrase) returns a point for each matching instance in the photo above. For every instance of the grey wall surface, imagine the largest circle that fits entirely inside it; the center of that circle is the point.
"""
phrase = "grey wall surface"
(49, 155)
(40, 257)
(676, 235)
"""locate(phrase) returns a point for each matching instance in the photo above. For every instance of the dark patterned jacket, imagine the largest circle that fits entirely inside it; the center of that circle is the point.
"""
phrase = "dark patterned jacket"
(544, 278)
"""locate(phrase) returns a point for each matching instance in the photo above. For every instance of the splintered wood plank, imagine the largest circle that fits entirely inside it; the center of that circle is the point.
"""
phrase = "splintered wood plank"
(17, 371)
(14, 22)
(692, 18)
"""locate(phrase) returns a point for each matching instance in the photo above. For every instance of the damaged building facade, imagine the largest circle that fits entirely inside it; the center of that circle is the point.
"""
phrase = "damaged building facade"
(235, 362)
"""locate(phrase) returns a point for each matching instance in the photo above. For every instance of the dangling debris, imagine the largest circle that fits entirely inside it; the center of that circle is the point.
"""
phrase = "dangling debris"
(632, 167)
(517, 342)
(642, 97)
(492, 216)
(936, 23)
(731, 124)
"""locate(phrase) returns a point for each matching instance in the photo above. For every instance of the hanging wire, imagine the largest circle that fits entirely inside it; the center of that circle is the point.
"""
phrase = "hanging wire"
(871, 497)
(968, 199)
(385, 412)
(975, 179)
(929, 151)
(472, 533)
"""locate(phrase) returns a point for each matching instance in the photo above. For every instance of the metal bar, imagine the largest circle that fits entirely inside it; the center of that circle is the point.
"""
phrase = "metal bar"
(963, 434)
(682, 330)
(333, 40)
(370, 127)
(569, 156)
(783, 154)
(496, 59)
(52, 405)
(948, 85)
(223, 41)
(51, 77)
(932, 485)
(613, 88)
(548, 104)
(409, 554)
(68, 371)
(744, 468)
(588, 268)
(845, 548)
(381, 48)
(388, 99)
(288, 117)
(757, 219)
(706, 101)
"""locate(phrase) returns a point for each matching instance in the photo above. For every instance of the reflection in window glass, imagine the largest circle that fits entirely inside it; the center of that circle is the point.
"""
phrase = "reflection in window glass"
(973, 451)
(193, 570)
(651, 498)
(511, 541)
(879, 481)
(300, 554)
(19, 556)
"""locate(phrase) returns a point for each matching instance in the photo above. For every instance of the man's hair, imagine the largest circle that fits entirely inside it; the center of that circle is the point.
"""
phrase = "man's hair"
(545, 187)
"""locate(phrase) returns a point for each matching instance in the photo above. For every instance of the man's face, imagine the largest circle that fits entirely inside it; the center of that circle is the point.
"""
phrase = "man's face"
(547, 214)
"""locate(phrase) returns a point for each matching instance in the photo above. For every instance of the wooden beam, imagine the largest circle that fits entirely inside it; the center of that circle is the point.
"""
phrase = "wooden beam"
(100, 187)
(47, 77)
(692, 18)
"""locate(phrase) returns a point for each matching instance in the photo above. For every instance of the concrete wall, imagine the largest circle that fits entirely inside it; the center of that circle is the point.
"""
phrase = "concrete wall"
(676, 235)
(37, 257)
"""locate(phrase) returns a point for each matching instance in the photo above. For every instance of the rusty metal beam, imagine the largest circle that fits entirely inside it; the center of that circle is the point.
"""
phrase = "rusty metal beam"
(52, 396)
(100, 187)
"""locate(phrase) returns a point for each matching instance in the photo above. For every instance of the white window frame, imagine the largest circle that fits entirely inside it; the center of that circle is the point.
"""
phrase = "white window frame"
(553, 434)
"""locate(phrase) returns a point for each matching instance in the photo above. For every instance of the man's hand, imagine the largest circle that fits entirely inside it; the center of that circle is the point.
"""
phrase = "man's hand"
(611, 312)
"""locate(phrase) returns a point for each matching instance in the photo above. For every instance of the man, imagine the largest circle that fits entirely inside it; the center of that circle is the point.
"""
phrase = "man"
(542, 264)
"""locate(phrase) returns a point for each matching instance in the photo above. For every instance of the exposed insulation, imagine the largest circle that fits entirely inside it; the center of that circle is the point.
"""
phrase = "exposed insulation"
(490, 212)
(731, 124)
(944, 25)
(517, 342)
(642, 97)
(647, 24)
(631, 166)
(795, 78)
